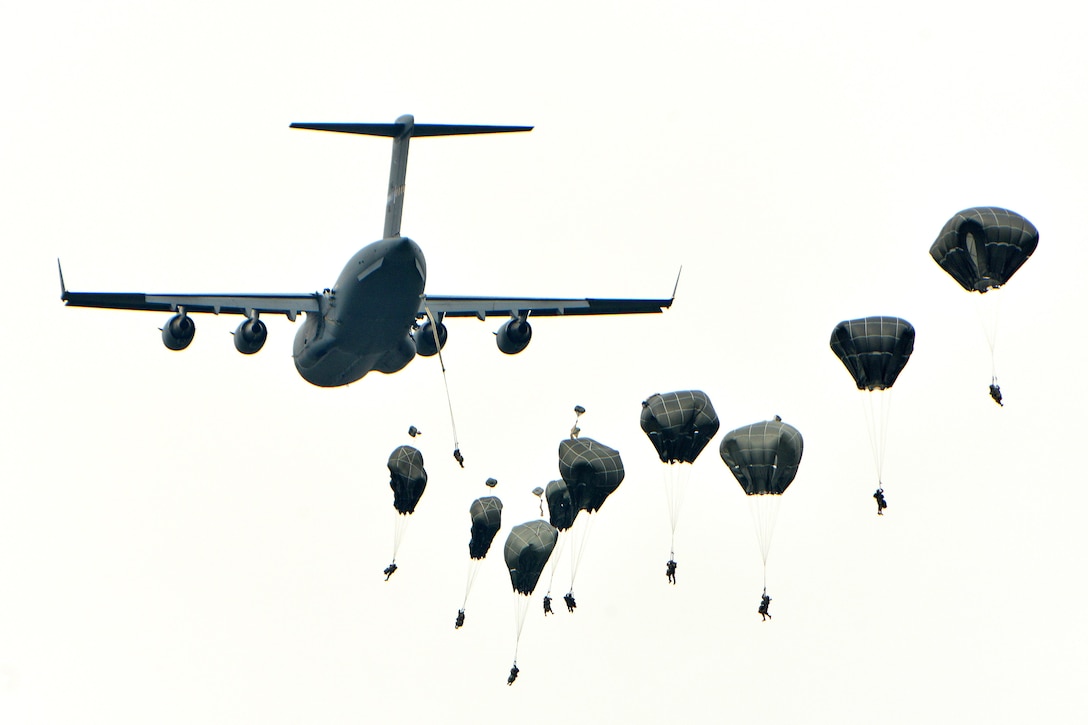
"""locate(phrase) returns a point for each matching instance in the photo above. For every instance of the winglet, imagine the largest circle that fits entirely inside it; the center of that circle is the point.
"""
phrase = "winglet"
(677, 285)
(63, 289)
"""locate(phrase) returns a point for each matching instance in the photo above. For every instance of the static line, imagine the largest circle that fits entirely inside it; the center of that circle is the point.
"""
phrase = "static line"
(445, 381)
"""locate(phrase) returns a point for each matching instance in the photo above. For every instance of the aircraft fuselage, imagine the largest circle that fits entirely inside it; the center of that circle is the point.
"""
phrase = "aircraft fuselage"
(366, 318)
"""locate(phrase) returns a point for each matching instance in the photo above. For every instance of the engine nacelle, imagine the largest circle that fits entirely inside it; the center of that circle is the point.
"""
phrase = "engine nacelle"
(424, 338)
(514, 336)
(178, 332)
(250, 336)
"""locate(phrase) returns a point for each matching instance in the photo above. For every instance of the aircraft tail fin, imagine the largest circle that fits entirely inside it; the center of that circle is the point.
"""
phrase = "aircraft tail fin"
(401, 132)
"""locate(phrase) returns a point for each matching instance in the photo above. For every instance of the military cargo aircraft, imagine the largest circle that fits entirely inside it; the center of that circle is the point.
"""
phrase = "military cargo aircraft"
(377, 316)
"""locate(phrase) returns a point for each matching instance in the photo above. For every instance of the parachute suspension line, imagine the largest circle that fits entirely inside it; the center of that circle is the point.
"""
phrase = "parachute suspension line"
(877, 416)
(521, 607)
(445, 381)
(473, 570)
(764, 510)
(867, 406)
(400, 527)
(676, 477)
(882, 430)
(579, 545)
(556, 556)
(988, 311)
(885, 424)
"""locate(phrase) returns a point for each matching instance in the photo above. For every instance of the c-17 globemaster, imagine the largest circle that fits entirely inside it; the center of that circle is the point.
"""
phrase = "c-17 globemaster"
(377, 316)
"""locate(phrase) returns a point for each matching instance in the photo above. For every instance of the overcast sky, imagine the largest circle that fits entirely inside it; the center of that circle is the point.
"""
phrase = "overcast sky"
(199, 536)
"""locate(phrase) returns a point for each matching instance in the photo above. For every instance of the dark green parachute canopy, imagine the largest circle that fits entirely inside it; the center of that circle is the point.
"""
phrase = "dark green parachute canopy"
(983, 246)
(561, 508)
(679, 424)
(527, 550)
(874, 349)
(763, 456)
(591, 471)
(407, 478)
(486, 514)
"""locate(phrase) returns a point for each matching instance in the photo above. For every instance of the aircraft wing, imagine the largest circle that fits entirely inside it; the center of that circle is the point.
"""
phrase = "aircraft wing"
(243, 304)
(481, 307)
(289, 305)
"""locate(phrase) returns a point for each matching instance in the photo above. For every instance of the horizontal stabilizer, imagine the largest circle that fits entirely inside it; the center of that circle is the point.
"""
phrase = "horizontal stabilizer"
(394, 130)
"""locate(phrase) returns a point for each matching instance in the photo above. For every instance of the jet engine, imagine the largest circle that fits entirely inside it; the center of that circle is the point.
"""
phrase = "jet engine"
(514, 335)
(250, 336)
(424, 337)
(178, 332)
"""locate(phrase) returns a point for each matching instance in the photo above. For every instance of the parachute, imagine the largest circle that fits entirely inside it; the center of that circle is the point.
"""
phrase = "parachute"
(486, 515)
(574, 429)
(591, 471)
(408, 478)
(679, 425)
(561, 508)
(527, 550)
(875, 350)
(764, 458)
(528, 547)
(981, 248)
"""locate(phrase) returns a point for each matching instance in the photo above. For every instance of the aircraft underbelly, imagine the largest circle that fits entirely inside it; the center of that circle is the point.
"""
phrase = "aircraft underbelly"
(365, 327)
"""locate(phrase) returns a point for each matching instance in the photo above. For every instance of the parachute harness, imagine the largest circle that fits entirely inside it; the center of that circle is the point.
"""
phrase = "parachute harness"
(446, 383)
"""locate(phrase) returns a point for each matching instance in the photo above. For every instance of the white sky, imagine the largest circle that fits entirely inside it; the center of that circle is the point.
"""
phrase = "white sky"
(199, 536)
